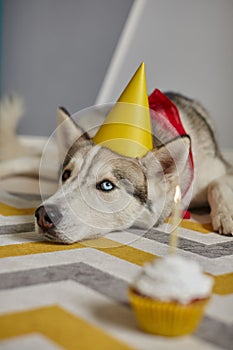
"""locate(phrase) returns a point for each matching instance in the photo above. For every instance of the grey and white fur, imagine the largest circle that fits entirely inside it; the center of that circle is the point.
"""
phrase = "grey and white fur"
(101, 191)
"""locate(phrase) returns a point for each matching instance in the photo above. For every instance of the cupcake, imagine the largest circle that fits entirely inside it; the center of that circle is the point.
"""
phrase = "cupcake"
(169, 296)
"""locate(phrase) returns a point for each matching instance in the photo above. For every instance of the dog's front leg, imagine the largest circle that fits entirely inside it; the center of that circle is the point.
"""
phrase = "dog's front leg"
(220, 197)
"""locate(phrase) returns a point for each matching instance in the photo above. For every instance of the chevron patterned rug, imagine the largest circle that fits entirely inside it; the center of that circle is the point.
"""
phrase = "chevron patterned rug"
(75, 296)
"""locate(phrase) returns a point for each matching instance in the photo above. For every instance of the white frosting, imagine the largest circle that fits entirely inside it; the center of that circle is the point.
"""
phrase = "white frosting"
(174, 278)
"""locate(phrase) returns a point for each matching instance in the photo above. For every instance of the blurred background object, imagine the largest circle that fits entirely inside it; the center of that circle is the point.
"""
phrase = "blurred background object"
(57, 52)
(0, 44)
(187, 47)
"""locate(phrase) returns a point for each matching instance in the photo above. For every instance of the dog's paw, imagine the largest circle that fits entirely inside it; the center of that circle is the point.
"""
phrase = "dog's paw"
(223, 223)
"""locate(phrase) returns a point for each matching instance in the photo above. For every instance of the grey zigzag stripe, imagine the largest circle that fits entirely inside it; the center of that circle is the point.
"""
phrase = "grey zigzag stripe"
(219, 334)
(80, 272)
(17, 228)
(215, 250)
(215, 332)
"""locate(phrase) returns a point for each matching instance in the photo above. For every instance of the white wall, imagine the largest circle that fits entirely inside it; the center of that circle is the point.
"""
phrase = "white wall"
(187, 46)
(56, 52)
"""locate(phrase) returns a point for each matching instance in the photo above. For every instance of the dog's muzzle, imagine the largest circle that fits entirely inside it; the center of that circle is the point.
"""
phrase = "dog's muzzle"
(48, 217)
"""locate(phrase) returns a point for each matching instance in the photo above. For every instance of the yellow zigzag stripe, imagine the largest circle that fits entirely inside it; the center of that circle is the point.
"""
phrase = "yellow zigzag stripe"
(65, 329)
(223, 283)
(34, 248)
(195, 226)
(7, 210)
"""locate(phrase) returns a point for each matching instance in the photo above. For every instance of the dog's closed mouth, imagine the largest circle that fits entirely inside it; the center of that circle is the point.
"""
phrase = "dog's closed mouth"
(54, 237)
(50, 236)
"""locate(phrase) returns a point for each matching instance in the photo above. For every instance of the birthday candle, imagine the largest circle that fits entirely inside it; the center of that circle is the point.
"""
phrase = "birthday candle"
(176, 216)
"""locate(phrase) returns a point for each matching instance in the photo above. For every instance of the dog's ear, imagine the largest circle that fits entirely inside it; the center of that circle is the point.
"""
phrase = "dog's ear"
(169, 160)
(67, 132)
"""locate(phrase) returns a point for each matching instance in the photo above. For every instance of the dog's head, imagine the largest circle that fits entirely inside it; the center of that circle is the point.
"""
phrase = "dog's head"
(101, 191)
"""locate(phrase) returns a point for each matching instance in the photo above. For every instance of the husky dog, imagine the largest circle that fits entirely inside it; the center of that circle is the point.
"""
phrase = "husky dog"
(101, 191)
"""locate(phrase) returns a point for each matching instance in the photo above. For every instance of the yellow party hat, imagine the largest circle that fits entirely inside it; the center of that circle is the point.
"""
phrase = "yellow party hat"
(127, 128)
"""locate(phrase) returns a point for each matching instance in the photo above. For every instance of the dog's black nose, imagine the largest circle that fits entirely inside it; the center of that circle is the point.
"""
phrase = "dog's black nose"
(47, 216)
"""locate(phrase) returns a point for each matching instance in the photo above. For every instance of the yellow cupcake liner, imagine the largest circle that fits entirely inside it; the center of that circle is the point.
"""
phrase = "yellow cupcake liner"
(166, 318)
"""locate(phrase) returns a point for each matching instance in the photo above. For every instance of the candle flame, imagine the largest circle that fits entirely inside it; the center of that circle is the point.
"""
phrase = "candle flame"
(177, 196)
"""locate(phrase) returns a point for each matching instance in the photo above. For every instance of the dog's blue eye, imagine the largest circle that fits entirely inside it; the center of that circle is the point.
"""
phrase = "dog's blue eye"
(105, 186)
